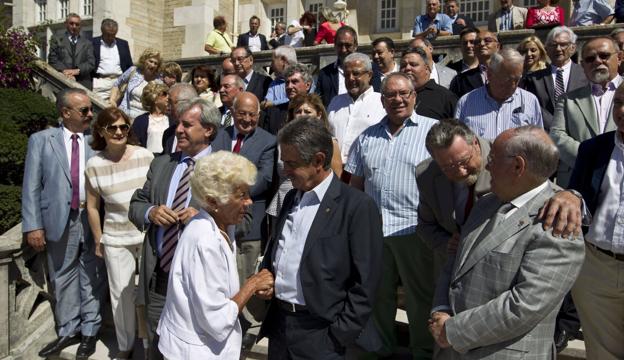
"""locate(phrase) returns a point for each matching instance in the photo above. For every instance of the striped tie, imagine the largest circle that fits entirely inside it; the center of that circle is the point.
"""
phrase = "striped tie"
(172, 233)
(559, 87)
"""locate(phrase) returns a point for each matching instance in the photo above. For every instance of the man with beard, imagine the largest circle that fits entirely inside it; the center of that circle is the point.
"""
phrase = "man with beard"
(486, 45)
(586, 112)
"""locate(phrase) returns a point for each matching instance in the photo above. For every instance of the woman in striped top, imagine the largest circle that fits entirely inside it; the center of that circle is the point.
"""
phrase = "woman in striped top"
(112, 176)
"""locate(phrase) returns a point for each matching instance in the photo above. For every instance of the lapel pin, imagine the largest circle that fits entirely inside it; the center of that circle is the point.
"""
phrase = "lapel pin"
(327, 210)
(521, 222)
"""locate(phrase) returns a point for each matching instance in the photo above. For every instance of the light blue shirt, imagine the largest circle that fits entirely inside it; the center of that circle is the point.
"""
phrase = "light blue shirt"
(590, 12)
(442, 22)
(173, 187)
(388, 165)
(487, 118)
(292, 240)
(277, 92)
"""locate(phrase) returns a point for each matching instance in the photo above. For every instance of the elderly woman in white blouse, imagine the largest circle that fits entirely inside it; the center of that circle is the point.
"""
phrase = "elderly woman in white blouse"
(200, 317)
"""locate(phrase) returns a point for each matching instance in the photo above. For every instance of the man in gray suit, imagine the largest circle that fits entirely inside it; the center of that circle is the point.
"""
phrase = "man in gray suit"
(154, 210)
(510, 275)
(72, 54)
(258, 146)
(53, 219)
(586, 112)
(441, 74)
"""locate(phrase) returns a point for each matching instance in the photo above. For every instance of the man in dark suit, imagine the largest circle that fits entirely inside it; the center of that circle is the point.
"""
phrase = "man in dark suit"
(597, 176)
(252, 39)
(468, 45)
(258, 146)
(279, 35)
(72, 54)
(255, 82)
(328, 82)
(460, 22)
(153, 210)
(486, 46)
(54, 220)
(231, 86)
(325, 255)
(112, 58)
(560, 77)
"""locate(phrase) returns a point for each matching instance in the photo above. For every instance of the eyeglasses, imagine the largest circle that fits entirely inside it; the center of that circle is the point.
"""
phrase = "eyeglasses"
(404, 95)
(490, 158)
(563, 46)
(112, 129)
(239, 59)
(84, 111)
(460, 164)
(604, 56)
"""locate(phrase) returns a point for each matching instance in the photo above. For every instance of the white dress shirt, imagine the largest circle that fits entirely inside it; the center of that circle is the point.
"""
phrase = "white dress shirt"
(434, 75)
(68, 149)
(607, 228)
(566, 74)
(110, 64)
(247, 79)
(349, 118)
(603, 98)
(292, 241)
(200, 319)
(342, 88)
(254, 43)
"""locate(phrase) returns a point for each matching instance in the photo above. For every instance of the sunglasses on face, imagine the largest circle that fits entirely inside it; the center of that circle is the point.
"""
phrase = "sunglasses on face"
(602, 55)
(112, 129)
(84, 111)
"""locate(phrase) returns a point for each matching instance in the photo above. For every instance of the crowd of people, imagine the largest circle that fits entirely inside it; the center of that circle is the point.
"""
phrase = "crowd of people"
(293, 206)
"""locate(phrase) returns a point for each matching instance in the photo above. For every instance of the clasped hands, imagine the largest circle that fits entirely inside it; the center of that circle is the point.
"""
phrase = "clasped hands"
(437, 329)
(264, 284)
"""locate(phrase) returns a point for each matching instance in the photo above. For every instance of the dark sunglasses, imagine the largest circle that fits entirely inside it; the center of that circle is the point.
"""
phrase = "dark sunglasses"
(602, 55)
(84, 111)
(112, 129)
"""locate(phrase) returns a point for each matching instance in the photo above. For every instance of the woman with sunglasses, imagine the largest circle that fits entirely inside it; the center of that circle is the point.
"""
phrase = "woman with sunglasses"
(111, 176)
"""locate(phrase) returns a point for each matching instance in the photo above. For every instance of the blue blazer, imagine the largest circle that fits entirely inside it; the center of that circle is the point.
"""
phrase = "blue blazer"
(243, 40)
(46, 191)
(327, 82)
(125, 59)
(260, 149)
(590, 167)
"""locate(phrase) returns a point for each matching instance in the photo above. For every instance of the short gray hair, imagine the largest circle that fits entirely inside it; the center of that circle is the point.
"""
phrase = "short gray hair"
(309, 136)
(219, 175)
(109, 23)
(185, 91)
(384, 83)
(302, 69)
(287, 52)
(363, 58)
(71, 15)
(558, 31)
(209, 117)
(542, 157)
(442, 134)
(238, 81)
(62, 98)
(509, 56)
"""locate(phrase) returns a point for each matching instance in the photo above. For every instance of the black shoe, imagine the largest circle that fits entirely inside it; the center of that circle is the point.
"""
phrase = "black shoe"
(248, 341)
(561, 340)
(86, 348)
(59, 344)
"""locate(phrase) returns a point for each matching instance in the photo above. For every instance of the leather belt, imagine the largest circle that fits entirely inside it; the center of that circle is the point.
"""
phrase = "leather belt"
(112, 77)
(619, 257)
(291, 308)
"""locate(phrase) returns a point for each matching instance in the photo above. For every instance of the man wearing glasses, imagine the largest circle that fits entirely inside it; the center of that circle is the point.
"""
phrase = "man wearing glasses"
(255, 83)
(486, 46)
(586, 112)
(382, 162)
(54, 220)
(563, 75)
(468, 43)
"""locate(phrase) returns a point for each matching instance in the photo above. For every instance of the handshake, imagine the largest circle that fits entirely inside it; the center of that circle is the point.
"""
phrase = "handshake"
(437, 329)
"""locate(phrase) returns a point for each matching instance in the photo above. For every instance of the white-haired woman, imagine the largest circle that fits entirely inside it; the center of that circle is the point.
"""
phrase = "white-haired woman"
(200, 317)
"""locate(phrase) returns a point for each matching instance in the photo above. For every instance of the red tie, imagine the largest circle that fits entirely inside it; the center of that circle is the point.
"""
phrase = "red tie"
(239, 143)
(469, 202)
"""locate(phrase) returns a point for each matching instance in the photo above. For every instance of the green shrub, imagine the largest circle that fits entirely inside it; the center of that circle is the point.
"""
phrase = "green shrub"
(9, 206)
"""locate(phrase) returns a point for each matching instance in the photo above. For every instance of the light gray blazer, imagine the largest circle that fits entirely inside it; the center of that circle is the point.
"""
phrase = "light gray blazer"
(575, 121)
(507, 285)
(46, 191)
(445, 74)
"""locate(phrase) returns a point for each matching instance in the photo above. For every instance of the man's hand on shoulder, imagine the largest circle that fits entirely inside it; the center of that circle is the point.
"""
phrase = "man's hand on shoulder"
(562, 213)
(36, 239)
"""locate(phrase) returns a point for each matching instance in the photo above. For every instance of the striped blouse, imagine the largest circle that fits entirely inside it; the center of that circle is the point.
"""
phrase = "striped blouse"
(115, 182)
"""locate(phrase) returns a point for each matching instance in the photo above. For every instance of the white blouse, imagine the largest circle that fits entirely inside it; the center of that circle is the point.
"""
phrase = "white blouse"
(199, 320)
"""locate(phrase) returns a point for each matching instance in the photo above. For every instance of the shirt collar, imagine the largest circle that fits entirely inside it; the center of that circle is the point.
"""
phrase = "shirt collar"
(363, 95)
(102, 42)
(597, 89)
(521, 200)
(198, 156)
(248, 77)
(319, 190)
(508, 100)
(68, 134)
(565, 67)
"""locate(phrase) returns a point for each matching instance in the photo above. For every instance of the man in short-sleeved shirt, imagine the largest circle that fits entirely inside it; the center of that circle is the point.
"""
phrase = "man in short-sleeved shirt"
(433, 23)
(218, 41)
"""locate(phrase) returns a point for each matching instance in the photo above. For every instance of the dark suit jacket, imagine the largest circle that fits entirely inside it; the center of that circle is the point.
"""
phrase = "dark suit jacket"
(125, 59)
(590, 167)
(340, 265)
(458, 28)
(153, 193)
(243, 40)
(275, 43)
(327, 82)
(435, 101)
(139, 129)
(259, 148)
(540, 83)
(467, 81)
(259, 85)
(62, 57)
(167, 140)
(275, 118)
